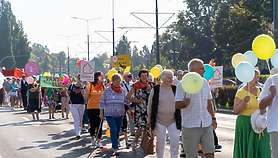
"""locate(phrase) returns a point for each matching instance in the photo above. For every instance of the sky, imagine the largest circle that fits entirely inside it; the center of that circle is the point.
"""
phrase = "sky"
(50, 23)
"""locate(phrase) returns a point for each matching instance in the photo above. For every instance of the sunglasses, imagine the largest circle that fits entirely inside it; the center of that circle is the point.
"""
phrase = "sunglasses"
(129, 76)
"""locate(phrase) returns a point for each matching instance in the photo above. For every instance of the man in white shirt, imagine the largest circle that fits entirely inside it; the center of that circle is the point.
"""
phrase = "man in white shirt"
(126, 84)
(198, 119)
(268, 98)
(177, 80)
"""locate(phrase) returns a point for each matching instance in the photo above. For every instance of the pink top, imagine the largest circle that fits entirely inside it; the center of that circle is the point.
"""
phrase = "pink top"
(166, 106)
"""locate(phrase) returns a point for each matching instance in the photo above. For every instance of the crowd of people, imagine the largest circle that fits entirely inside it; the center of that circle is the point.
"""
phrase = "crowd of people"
(160, 104)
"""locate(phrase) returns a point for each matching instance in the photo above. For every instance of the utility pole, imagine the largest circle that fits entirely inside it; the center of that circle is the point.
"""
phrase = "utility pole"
(157, 36)
(275, 21)
(68, 51)
(113, 29)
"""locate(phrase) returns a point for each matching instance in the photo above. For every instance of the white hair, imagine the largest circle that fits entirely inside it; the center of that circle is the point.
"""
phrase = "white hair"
(151, 78)
(192, 64)
(165, 72)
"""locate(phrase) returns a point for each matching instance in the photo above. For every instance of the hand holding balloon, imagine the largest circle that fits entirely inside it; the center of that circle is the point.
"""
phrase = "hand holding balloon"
(246, 99)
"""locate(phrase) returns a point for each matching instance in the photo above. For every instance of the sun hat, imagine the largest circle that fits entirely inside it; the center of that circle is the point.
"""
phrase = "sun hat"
(258, 121)
(127, 73)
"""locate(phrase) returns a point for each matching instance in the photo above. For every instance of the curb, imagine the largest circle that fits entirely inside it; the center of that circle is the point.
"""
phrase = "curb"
(225, 111)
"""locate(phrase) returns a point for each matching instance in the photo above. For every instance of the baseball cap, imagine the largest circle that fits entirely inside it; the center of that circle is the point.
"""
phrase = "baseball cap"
(127, 73)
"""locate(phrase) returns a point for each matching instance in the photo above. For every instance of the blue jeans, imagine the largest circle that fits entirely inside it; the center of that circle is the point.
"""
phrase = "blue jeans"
(131, 125)
(115, 124)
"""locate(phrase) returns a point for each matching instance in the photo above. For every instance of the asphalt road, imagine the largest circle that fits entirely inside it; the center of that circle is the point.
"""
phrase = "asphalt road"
(24, 138)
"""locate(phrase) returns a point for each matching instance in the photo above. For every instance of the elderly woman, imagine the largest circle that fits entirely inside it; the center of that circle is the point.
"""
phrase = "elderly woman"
(141, 92)
(76, 93)
(249, 144)
(111, 106)
(163, 115)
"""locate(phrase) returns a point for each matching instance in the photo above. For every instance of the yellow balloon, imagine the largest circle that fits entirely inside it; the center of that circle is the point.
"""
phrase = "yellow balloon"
(263, 47)
(127, 68)
(155, 71)
(46, 74)
(110, 73)
(237, 58)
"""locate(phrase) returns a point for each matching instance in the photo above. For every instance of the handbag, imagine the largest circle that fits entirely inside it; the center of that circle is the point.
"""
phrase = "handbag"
(56, 96)
(147, 141)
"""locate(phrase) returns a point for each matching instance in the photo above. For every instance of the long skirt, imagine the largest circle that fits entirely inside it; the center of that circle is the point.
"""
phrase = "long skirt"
(249, 144)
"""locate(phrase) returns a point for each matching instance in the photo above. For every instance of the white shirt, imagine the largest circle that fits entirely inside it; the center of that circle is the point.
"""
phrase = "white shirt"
(196, 113)
(20, 83)
(176, 81)
(128, 85)
(272, 119)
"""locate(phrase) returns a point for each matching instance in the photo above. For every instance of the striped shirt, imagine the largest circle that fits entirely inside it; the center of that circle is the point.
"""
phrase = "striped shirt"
(113, 103)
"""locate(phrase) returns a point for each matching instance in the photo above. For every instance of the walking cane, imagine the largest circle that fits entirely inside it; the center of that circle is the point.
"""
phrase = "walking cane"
(98, 131)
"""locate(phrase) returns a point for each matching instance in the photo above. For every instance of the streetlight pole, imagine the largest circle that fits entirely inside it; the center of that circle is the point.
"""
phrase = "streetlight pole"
(113, 31)
(68, 51)
(88, 36)
(157, 37)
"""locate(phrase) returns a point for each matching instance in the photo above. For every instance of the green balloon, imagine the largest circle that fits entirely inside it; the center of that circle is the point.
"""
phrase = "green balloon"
(159, 67)
(192, 83)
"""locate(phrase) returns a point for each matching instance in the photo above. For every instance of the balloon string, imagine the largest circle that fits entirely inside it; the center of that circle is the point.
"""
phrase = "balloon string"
(248, 94)
(269, 71)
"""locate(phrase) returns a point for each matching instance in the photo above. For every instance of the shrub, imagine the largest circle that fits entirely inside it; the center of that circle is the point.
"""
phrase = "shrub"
(263, 78)
(227, 95)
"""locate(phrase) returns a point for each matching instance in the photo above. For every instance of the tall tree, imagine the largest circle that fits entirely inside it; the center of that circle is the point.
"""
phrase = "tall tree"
(123, 47)
(45, 65)
(6, 38)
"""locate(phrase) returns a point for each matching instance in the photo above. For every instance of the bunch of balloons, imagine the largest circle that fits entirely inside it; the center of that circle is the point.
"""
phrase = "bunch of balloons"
(64, 79)
(263, 48)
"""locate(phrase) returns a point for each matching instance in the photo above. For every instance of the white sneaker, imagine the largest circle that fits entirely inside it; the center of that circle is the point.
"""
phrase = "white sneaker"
(93, 142)
(99, 145)
(11, 108)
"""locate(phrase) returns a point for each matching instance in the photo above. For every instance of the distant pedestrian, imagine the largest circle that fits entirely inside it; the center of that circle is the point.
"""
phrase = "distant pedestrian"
(50, 102)
(64, 102)
(6, 85)
(76, 93)
(23, 87)
(13, 92)
(34, 99)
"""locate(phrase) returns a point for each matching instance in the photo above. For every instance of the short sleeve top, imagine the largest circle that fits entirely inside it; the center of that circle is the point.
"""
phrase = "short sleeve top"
(252, 105)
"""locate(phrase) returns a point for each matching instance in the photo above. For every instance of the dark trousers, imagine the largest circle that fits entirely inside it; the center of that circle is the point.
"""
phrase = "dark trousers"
(93, 115)
(215, 138)
(24, 99)
(1, 96)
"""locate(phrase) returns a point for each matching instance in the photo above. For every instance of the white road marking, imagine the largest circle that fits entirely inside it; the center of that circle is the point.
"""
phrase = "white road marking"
(233, 128)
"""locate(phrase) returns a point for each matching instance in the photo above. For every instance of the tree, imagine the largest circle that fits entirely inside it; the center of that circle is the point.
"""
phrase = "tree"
(123, 47)
(6, 38)
(45, 65)
(236, 24)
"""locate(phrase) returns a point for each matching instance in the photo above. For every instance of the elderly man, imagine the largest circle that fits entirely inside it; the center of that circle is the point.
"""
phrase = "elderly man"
(126, 84)
(177, 80)
(198, 119)
(268, 98)
(23, 87)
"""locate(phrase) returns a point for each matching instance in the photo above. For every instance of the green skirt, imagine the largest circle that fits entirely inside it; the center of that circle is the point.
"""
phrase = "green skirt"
(247, 143)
